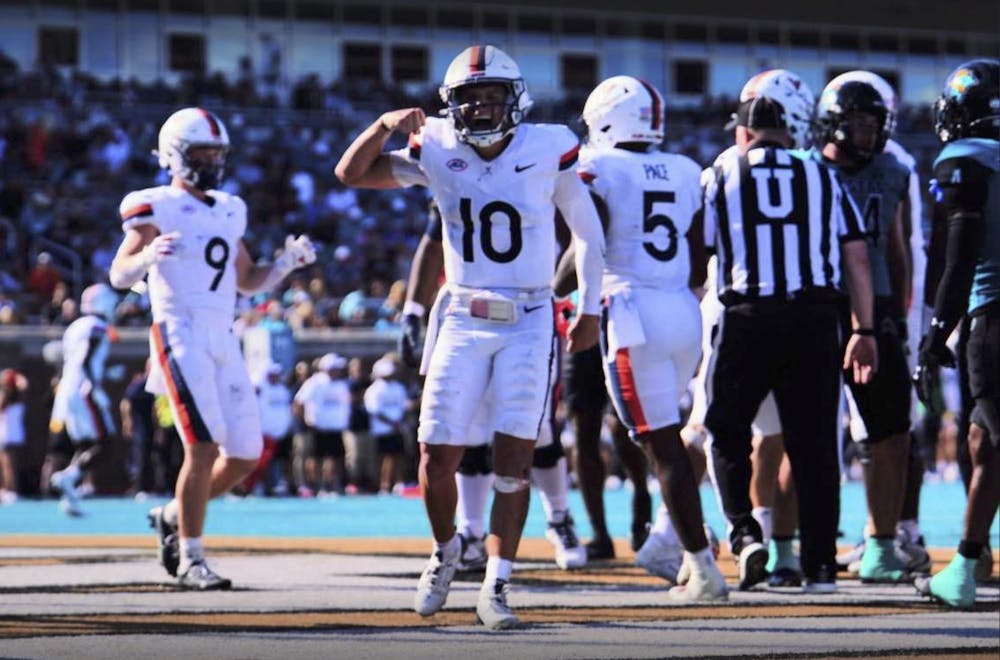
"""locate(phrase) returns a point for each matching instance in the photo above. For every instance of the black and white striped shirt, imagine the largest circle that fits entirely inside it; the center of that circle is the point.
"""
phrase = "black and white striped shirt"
(776, 221)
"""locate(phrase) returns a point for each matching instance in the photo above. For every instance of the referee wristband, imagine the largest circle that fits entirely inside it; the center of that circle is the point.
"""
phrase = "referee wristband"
(864, 332)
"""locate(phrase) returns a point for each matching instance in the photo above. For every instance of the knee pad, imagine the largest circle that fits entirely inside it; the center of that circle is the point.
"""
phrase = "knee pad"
(548, 457)
(476, 461)
(508, 485)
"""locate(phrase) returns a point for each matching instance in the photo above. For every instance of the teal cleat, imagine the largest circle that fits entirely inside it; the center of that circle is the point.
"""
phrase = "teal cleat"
(880, 564)
(954, 586)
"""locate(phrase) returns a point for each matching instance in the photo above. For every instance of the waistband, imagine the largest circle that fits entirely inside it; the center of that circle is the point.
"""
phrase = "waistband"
(463, 294)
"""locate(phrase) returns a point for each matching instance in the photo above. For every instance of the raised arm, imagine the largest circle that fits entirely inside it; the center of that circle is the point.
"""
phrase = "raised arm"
(365, 163)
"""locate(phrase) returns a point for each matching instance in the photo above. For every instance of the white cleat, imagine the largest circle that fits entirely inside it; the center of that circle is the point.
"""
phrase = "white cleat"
(570, 553)
(432, 590)
(705, 583)
(492, 610)
(661, 556)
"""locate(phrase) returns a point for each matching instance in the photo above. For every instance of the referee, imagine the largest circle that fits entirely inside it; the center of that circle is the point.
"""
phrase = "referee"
(781, 226)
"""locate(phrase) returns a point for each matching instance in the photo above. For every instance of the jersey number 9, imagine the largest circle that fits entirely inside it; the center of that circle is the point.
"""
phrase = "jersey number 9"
(216, 256)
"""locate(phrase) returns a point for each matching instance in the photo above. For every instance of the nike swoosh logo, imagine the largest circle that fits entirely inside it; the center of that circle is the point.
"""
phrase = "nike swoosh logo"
(521, 168)
(532, 309)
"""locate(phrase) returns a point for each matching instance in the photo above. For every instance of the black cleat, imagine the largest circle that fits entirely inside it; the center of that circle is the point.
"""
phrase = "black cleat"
(168, 550)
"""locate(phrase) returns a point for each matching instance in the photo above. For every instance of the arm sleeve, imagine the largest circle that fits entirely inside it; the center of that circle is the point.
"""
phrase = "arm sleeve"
(961, 188)
(405, 163)
(573, 200)
(137, 209)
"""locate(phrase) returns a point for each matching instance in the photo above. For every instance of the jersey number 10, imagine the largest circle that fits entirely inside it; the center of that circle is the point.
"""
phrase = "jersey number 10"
(486, 234)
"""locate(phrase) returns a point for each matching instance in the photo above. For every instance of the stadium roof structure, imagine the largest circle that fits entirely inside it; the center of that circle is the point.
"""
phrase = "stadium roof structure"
(979, 16)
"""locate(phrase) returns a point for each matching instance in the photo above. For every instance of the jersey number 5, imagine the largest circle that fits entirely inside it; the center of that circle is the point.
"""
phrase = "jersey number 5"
(216, 256)
(651, 221)
(486, 234)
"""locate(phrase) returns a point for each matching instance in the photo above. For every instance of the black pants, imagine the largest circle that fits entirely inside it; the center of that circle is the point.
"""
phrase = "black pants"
(792, 349)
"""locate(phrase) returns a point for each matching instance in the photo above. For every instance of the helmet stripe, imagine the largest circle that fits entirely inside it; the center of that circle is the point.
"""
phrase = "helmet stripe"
(657, 111)
(213, 124)
(477, 59)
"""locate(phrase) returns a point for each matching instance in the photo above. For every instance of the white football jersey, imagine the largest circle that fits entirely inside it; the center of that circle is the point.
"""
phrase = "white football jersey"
(498, 216)
(203, 274)
(652, 199)
(85, 348)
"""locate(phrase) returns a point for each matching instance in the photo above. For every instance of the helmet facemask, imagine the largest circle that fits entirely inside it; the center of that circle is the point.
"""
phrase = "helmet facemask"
(204, 171)
(854, 108)
(486, 111)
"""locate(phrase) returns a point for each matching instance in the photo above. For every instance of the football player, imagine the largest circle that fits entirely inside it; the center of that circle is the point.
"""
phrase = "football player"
(82, 409)
(498, 182)
(854, 125)
(651, 201)
(965, 250)
(188, 237)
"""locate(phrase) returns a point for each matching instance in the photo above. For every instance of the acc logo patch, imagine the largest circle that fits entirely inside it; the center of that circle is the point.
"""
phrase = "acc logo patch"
(456, 164)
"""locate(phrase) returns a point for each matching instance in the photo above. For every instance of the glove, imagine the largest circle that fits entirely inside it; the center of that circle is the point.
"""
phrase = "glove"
(409, 339)
(930, 358)
(298, 252)
(161, 248)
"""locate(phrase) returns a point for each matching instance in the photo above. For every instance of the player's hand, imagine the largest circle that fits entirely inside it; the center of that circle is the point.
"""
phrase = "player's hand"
(861, 357)
(406, 120)
(409, 340)
(930, 358)
(583, 333)
(298, 252)
(161, 248)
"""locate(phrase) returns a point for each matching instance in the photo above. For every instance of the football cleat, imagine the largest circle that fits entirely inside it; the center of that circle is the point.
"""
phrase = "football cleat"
(492, 609)
(199, 577)
(570, 553)
(167, 550)
(435, 581)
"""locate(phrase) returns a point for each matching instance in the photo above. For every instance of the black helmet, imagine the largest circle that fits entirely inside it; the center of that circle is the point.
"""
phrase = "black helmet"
(969, 106)
(836, 104)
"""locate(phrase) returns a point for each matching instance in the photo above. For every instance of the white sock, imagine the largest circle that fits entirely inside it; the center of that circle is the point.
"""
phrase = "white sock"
(449, 549)
(762, 514)
(552, 484)
(170, 510)
(662, 524)
(473, 493)
(497, 569)
(192, 551)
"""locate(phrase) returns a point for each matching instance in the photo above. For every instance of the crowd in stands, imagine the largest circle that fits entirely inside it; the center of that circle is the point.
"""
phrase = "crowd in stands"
(72, 146)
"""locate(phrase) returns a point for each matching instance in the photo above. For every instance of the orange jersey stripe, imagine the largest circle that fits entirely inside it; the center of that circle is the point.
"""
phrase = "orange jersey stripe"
(140, 210)
(568, 158)
(183, 421)
(629, 394)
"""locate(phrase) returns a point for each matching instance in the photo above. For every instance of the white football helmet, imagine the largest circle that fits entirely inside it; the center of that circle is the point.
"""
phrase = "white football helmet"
(479, 65)
(794, 96)
(623, 109)
(187, 128)
(99, 300)
(881, 86)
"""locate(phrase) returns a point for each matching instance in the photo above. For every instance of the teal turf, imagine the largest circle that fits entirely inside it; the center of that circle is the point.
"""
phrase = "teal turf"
(365, 516)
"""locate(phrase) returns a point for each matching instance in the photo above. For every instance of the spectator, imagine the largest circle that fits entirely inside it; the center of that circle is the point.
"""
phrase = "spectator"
(43, 278)
(12, 388)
